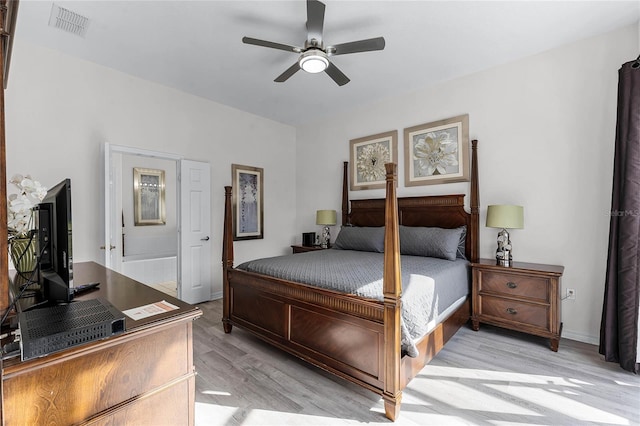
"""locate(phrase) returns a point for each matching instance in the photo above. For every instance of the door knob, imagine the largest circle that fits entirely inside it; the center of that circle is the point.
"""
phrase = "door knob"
(205, 238)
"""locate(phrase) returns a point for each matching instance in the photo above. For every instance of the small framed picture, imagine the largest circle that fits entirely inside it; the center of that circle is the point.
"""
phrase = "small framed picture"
(437, 152)
(247, 199)
(148, 197)
(368, 156)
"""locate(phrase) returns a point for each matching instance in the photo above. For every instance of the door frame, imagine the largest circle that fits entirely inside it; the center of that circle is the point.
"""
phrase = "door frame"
(110, 193)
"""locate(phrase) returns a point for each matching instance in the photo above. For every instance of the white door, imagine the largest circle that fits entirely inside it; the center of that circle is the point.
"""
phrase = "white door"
(112, 205)
(194, 278)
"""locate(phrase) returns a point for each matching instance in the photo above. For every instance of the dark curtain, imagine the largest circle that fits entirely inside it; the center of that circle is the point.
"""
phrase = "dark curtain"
(619, 326)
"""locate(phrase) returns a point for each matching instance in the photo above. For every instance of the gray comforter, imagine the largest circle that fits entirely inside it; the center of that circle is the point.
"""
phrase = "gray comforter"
(429, 285)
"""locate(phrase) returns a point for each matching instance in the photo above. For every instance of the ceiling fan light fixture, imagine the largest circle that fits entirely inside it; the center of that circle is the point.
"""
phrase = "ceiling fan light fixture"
(313, 61)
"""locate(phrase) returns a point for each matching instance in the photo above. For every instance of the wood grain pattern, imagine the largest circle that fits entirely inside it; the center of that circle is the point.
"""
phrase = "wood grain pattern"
(392, 290)
(524, 297)
(57, 390)
(105, 380)
(339, 339)
(153, 408)
(514, 284)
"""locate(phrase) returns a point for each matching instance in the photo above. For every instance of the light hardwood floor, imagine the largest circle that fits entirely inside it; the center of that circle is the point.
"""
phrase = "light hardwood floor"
(490, 377)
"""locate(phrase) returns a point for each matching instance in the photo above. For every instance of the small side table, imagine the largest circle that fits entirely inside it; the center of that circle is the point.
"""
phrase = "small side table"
(304, 249)
(524, 297)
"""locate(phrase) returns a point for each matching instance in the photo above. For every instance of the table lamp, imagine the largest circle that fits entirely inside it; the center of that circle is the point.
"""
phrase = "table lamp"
(505, 217)
(326, 218)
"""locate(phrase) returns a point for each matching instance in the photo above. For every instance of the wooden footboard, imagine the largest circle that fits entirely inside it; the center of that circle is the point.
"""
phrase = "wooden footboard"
(356, 339)
(339, 333)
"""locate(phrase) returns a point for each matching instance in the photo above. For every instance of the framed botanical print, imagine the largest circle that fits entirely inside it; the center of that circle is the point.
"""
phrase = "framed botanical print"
(437, 152)
(247, 199)
(368, 156)
(148, 197)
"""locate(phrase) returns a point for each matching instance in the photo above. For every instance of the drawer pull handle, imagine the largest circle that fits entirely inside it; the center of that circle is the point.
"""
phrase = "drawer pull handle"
(512, 284)
(511, 311)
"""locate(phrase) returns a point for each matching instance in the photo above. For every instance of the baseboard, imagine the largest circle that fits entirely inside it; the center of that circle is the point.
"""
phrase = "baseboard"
(217, 295)
(584, 338)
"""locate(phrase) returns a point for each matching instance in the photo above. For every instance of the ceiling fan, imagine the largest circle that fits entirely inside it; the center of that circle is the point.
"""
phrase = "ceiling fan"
(314, 56)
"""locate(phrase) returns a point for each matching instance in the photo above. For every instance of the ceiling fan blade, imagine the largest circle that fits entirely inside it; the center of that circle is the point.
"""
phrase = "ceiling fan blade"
(264, 43)
(315, 19)
(357, 46)
(337, 75)
(288, 73)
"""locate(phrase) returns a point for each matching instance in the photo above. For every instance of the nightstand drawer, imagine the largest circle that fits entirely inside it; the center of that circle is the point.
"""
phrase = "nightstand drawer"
(514, 285)
(514, 311)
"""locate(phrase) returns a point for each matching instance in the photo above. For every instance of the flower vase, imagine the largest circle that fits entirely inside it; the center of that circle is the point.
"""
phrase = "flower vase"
(23, 254)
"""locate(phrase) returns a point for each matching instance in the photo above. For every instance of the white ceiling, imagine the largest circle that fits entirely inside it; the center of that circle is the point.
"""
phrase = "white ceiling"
(195, 46)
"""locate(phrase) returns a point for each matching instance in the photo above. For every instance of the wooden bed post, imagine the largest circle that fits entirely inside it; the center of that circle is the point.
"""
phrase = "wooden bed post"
(345, 194)
(475, 203)
(392, 288)
(227, 259)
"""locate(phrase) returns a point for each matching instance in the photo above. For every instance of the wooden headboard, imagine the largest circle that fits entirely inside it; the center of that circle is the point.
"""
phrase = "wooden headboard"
(442, 211)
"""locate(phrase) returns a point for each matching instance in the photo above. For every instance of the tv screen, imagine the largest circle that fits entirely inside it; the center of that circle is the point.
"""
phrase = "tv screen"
(55, 244)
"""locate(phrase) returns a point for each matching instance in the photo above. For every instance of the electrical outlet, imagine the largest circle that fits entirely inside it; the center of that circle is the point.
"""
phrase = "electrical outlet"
(571, 294)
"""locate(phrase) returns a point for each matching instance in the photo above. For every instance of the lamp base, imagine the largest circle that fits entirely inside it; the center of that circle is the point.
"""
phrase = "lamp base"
(504, 250)
(504, 262)
(326, 237)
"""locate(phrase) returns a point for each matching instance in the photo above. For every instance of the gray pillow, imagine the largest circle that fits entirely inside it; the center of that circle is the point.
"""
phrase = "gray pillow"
(430, 242)
(361, 238)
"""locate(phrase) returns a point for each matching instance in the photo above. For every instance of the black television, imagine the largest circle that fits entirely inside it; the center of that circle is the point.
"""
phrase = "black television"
(55, 245)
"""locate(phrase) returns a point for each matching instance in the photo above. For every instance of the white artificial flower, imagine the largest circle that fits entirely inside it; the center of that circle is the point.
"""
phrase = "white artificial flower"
(20, 206)
(16, 179)
(22, 203)
(19, 223)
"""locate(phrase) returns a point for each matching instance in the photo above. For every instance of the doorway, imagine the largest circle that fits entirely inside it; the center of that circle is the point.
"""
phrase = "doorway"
(153, 252)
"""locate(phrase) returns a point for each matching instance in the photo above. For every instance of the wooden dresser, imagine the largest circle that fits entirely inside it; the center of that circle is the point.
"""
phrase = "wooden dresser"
(524, 297)
(143, 376)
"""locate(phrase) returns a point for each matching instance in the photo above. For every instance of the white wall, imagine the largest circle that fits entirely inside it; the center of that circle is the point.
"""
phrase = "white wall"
(546, 129)
(149, 241)
(60, 110)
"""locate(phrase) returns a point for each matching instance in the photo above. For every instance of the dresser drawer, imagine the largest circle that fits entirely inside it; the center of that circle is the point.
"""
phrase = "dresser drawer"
(515, 311)
(514, 285)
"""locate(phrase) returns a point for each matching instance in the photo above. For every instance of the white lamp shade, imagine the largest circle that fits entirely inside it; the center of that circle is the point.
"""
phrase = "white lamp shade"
(326, 217)
(505, 216)
(314, 64)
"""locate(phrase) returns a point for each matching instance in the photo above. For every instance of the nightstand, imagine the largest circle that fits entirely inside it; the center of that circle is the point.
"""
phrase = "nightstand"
(304, 249)
(524, 297)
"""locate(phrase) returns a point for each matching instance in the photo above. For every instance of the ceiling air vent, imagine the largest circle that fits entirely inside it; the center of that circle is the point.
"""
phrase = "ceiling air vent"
(66, 20)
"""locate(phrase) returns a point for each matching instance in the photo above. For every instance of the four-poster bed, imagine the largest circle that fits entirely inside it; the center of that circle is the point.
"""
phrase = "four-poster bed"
(352, 337)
